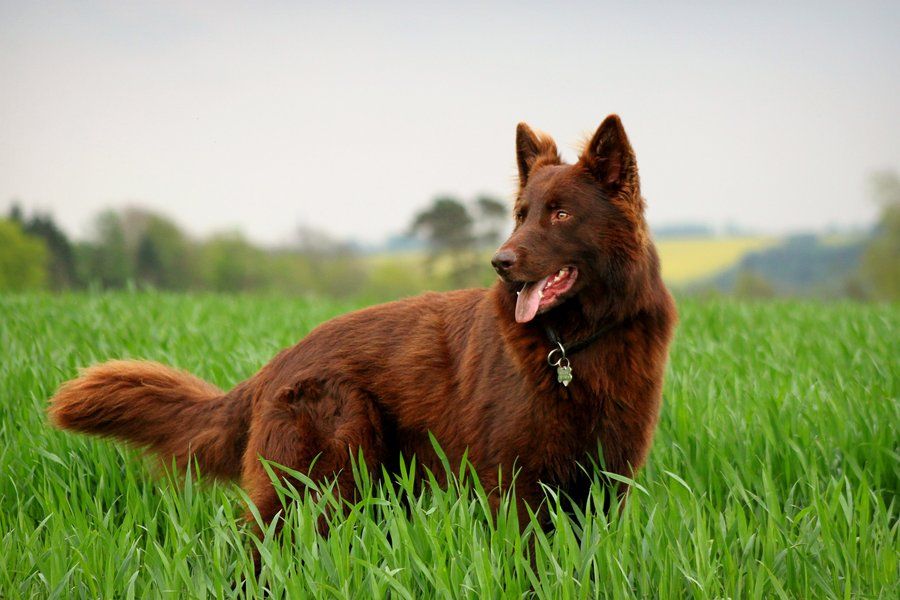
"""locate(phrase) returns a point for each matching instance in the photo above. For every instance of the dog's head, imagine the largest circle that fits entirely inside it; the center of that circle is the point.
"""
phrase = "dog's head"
(578, 227)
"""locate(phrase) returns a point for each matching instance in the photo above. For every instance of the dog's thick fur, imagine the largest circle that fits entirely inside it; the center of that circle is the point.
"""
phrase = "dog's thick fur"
(455, 364)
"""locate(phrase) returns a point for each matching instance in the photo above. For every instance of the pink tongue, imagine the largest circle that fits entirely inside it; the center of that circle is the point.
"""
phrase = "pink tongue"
(529, 300)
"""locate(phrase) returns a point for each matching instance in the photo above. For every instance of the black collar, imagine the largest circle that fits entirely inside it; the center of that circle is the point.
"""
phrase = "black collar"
(570, 349)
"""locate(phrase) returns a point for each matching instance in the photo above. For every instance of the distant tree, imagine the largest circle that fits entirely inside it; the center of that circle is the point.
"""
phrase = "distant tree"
(446, 225)
(148, 263)
(164, 255)
(230, 263)
(15, 213)
(107, 260)
(23, 259)
(885, 188)
(61, 269)
(135, 244)
(881, 258)
(493, 220)
(456, 235)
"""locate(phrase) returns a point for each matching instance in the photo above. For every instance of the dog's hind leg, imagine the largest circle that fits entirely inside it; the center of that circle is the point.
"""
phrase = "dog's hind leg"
(316, 428)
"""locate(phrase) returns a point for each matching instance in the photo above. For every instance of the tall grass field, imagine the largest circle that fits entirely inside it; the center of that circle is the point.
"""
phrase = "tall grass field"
(774, 472)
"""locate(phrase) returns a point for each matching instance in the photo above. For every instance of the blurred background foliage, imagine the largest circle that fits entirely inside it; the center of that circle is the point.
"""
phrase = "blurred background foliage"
(446, 245)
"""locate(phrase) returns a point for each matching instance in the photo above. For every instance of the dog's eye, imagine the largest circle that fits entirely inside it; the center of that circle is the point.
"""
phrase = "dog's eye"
(520, 216)
(561, 215)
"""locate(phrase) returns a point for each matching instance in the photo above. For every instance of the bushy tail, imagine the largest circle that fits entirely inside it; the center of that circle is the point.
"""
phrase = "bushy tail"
(172, 413)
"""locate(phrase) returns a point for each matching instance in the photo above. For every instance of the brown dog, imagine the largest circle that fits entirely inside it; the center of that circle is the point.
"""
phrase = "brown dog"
(580, 283)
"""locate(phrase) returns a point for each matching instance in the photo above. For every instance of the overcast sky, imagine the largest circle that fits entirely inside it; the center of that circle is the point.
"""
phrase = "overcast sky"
(266, 115)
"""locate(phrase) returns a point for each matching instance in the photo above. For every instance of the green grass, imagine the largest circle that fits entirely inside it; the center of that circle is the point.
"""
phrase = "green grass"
(774, 472)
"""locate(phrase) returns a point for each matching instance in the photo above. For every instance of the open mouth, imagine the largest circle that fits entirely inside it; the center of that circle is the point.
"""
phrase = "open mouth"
(539, 296)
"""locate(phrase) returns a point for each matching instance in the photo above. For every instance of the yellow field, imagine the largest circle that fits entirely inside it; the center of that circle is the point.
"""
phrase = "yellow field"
(688, 259)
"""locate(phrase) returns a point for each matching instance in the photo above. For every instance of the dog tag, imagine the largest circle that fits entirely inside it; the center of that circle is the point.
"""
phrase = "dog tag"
(564, 374)
(563, 367)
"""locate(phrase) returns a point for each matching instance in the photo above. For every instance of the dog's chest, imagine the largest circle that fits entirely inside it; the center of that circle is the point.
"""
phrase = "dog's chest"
(556, 428)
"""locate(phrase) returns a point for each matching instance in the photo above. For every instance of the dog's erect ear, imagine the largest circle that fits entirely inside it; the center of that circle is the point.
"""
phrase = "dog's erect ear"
(532, 148)
(609, 155)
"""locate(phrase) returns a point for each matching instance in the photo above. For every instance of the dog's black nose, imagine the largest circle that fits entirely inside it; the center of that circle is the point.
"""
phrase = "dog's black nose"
(504, 260)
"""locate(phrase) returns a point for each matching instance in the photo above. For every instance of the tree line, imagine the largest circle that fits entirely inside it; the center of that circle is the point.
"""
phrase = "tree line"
(137, 247)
